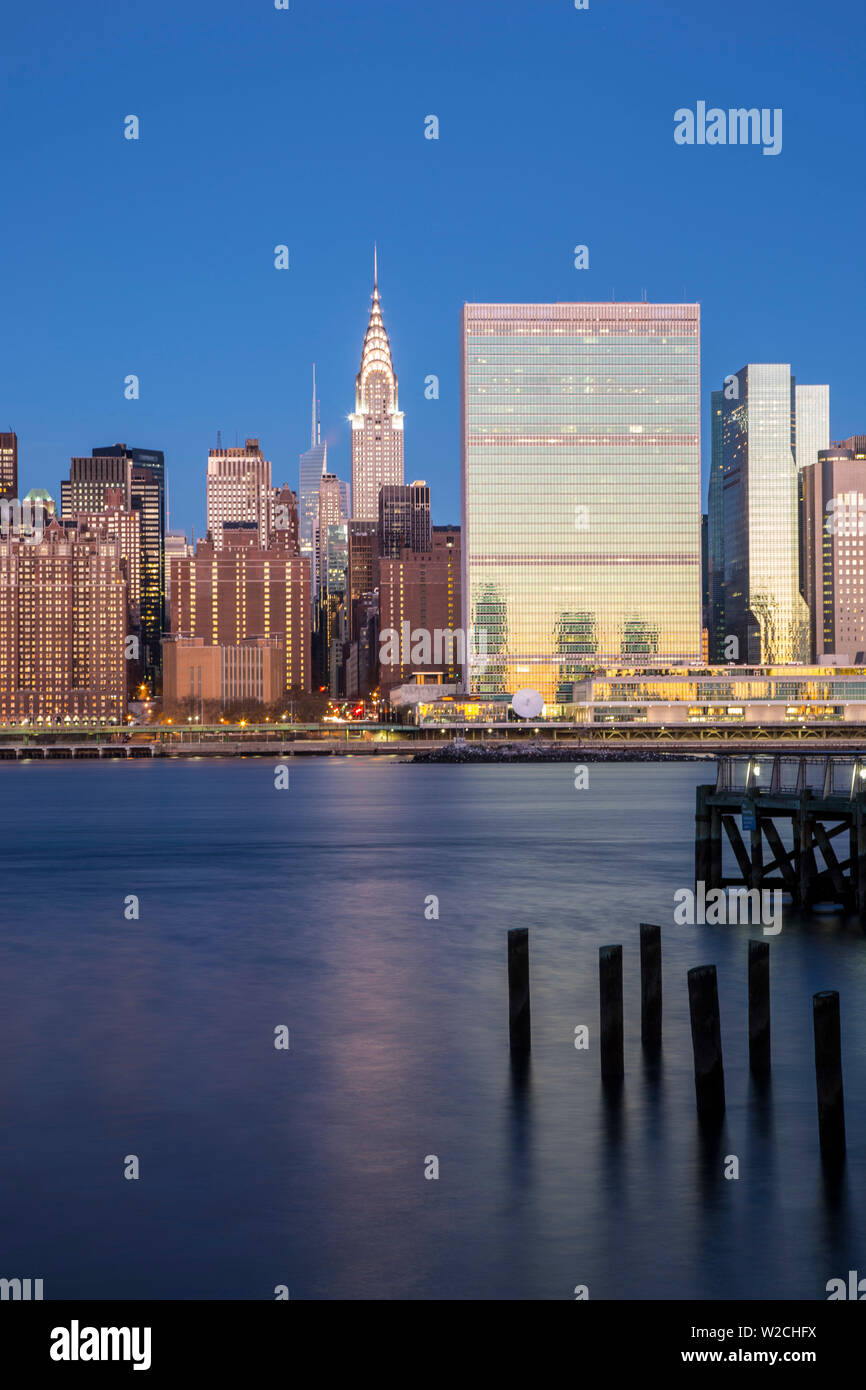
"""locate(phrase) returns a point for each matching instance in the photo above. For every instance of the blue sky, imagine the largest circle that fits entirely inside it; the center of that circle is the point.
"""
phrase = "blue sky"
(306, 127)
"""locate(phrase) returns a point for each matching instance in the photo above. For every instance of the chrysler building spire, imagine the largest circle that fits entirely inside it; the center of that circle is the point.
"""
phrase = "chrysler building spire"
(377, 421)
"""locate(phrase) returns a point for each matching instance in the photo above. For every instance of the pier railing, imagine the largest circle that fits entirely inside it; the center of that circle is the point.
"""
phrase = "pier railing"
(835, 775)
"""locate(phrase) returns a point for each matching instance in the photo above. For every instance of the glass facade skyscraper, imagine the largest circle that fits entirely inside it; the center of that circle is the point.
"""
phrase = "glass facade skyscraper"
(769, 425)
(313, 464)
(716, 538)
(581, 490)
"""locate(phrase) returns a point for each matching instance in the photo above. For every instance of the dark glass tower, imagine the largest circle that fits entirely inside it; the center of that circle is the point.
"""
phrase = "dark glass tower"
(404, 518)
(9, 464)
(147, 488)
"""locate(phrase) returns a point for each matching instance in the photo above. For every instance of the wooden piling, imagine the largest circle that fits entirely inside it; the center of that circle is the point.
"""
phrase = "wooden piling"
(519, 1023)
(759, 1007)
(828, 1074)
(707, 1042)
(650, 985)
(610, 1001)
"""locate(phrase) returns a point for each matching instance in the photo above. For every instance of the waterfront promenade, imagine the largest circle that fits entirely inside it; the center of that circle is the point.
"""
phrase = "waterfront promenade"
(509, 739)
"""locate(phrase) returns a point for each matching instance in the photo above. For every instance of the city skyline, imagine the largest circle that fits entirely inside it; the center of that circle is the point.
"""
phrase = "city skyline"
(191, 302)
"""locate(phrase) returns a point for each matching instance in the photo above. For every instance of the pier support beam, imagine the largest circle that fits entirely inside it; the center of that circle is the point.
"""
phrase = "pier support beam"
(806, 854)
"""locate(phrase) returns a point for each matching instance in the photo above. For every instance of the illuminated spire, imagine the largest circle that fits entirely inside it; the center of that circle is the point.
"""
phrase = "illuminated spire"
(376, 352)
(377, 421)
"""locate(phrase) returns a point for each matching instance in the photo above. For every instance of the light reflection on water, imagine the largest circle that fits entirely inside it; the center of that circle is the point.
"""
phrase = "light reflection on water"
(306, 908)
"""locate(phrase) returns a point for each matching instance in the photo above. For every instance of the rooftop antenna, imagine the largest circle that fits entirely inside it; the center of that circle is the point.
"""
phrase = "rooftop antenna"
(313, 440)
(219, 440)
(375, 268)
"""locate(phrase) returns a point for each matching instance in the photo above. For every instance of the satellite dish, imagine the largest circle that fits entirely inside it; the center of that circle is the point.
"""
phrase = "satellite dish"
(527, 704)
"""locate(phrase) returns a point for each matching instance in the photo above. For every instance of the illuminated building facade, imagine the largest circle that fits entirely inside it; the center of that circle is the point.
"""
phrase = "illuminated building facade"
(834, 535)
(197, 675)
(580, 444)
(241, 592)
(239, 489)
(764, 414)
(63, 621)
(420, 605)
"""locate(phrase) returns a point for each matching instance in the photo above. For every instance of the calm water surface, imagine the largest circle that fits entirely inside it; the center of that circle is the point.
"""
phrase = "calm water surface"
(306, 908)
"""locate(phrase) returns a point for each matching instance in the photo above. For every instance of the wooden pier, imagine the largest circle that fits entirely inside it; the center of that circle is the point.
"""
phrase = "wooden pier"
(815, 804)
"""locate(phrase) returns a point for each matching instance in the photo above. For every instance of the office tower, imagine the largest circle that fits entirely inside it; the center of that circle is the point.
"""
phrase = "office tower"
(345, 499)
(332, 618)
(63, 620)
(763, 417)
(581, 490)
(147, 497)
(404, 517)
(705, 587)
(197, 675)
(285, 521)
(857, 444)
(313, 464)
(377, 422)
(834, 531)
(716, 535)
(227, 596)
(238, 489)
(176, 547)
(812, 422)
(329, 513)
(91, 477)
(363, 551)
(420, 611)
(8, 464)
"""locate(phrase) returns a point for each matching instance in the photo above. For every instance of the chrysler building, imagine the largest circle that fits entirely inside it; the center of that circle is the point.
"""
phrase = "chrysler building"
(377, 423)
